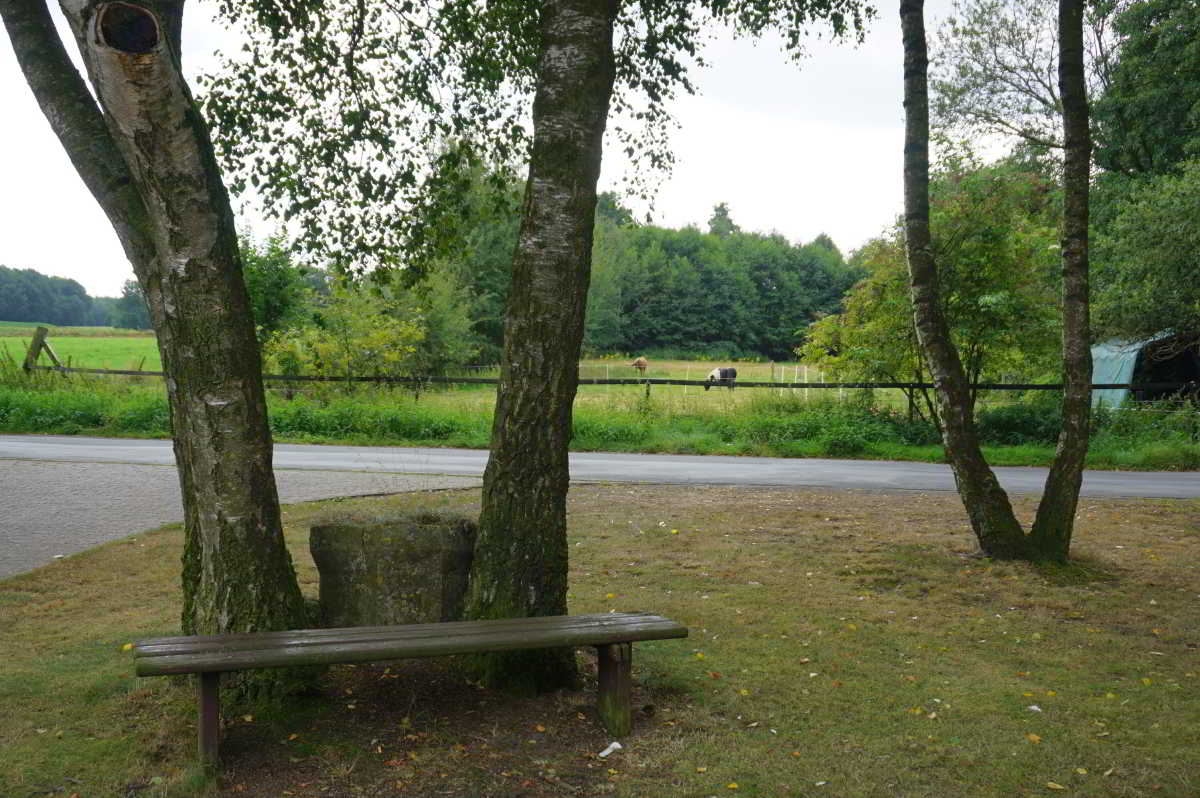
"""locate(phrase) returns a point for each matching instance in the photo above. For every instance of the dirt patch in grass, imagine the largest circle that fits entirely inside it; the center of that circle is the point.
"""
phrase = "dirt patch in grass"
(842, 644)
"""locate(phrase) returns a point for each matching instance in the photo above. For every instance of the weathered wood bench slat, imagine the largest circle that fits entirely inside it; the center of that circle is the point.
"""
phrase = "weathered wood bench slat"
(329, 651)
(625, 621)
(613, 635)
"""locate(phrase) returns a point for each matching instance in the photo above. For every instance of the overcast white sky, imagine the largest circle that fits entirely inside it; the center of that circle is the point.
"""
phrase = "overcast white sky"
(798, 150)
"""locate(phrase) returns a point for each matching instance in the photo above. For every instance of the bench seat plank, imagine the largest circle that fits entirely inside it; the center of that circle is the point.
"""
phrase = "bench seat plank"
(190, 642)
(216, 653)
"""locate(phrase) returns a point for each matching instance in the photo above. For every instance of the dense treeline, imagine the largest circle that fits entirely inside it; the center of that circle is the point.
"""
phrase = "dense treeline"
(679, 293)
(27, 295)
(1146, 202)
(666, 292)
(720, 294)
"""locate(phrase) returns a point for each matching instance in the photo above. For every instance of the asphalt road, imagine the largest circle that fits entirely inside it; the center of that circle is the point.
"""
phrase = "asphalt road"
(63, 494)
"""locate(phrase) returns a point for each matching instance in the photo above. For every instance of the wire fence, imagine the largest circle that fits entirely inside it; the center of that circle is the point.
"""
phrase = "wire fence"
(423, 380)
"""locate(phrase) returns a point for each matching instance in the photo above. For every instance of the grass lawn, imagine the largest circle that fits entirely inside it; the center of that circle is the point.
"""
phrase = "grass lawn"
(26, 328)
(90, 351)
(842, 644)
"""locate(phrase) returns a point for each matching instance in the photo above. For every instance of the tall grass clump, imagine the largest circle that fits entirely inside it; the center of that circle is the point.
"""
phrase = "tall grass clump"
(380, 417)
(1033, 421)
(1150, 435)
(599, 430)
(777, 418)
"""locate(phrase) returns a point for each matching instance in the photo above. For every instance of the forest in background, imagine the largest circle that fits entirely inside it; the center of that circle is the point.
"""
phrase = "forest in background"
(720, 294)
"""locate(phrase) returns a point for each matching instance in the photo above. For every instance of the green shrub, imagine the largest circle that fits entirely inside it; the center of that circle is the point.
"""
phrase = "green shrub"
(1022, 422)
(842, 440)
(598, 431)
(781, 429)
(50, 411)
(142, 413)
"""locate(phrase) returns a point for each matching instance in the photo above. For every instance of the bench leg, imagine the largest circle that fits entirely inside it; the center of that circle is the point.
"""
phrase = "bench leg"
(210, 719)
(615, 683)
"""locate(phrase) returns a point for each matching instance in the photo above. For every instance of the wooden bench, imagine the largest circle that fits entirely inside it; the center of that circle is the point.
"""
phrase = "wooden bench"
(613, 635)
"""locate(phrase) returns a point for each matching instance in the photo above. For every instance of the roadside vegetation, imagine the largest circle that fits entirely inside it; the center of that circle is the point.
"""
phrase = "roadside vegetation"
(842, 644)
(793, 422)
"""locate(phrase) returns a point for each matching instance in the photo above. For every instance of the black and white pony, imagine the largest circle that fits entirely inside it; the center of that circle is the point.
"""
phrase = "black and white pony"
(720, 376)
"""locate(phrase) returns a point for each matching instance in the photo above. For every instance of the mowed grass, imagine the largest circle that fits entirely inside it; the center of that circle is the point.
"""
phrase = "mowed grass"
(842, 644)
(27, 328)
(123, 352)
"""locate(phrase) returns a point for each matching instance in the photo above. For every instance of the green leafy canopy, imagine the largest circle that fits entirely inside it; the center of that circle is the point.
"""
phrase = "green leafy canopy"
(352, 120)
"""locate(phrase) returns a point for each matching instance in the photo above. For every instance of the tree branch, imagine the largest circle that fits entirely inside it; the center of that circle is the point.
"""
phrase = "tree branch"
(76, 120)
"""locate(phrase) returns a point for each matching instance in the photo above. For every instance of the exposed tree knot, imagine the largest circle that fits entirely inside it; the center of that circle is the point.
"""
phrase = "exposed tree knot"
(128, 28)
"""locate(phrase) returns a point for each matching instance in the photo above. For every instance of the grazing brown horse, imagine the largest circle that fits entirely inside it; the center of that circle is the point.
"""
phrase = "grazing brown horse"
(640, 364)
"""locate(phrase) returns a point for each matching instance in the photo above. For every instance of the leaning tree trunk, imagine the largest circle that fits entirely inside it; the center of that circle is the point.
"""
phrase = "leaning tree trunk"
(997, 529)
(1051, 535)
(148, 161)
(520, 566)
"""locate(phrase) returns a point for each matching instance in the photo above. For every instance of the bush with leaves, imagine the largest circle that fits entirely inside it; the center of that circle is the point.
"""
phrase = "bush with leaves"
(996, 255)
(361, 332)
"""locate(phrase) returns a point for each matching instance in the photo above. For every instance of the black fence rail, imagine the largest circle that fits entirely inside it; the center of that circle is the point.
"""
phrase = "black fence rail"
(651, 381)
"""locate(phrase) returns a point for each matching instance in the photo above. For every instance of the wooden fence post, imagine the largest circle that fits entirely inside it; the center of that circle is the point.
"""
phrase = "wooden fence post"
(35, 348)
(40, 344)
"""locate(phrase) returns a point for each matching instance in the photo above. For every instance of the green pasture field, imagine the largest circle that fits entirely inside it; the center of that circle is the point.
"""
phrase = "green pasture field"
(26, 328)
(137, 352)
(844, 644)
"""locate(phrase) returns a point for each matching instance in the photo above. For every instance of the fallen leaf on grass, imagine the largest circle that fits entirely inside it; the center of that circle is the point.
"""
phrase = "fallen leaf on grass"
(1033, 738)
(1055, 785)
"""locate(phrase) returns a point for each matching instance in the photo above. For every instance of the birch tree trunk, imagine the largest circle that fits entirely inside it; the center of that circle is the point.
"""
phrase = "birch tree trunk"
(520, 565)
(1050, 537)
(987, 505)
(146, 157)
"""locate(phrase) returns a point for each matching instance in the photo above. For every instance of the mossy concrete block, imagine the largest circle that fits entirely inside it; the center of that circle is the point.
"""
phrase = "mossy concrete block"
(393, 568)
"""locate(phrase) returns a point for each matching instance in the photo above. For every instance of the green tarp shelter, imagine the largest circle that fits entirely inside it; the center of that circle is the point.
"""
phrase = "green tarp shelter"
(1113, 362)
(1157, 360)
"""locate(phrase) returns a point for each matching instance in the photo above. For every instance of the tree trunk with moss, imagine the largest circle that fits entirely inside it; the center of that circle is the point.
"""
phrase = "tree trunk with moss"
(520, 565)
(145, 155)
(1050, 538)
(987, 505)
